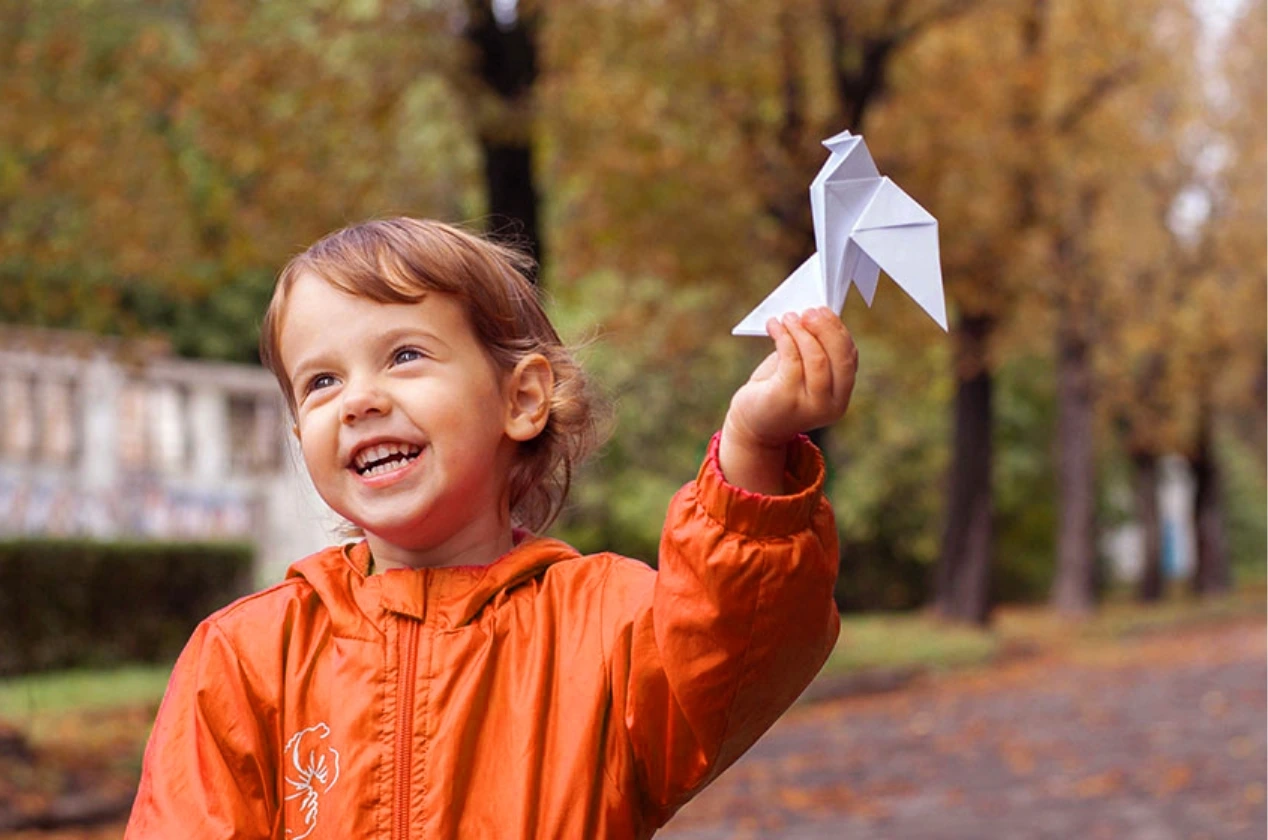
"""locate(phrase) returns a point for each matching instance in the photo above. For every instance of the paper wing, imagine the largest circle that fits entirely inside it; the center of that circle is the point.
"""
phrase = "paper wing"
(863, 273)
(901, 237)
(909, 255)
(891, 207)
(801, 291)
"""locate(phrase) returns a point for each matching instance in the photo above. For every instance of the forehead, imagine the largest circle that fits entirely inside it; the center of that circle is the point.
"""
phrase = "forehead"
(318, 316)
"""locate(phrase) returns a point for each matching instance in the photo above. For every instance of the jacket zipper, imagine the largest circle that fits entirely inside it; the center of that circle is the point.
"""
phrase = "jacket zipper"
(404, 728)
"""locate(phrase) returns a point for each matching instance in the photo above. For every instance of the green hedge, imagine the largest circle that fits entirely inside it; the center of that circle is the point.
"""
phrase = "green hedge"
(72, 602)
(880, 576)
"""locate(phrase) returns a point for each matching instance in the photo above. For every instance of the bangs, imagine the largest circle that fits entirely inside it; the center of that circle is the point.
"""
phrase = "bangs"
(377, 267)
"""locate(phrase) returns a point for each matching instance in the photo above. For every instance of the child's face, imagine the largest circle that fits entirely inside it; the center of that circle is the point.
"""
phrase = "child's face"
(401, 417)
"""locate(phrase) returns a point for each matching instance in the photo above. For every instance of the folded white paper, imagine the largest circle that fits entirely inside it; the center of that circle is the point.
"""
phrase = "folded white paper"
(864, 224)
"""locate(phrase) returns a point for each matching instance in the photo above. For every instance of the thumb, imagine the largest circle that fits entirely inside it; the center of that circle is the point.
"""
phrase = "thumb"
(766, 369)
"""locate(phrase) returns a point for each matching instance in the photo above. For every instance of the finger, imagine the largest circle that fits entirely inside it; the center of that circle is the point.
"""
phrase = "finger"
(817, 370)
(789, 366)
(844, 383)
(839, 347)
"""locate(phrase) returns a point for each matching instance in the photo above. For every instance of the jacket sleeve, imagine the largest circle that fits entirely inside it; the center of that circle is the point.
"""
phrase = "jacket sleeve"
(207, 771)
(738, 622)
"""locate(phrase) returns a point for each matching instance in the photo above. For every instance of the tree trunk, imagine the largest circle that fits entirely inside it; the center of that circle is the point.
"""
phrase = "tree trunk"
(963, 576)
(1212, 574)
(512, 194)
(1074, 591)
(506, 62)
(1145, 486)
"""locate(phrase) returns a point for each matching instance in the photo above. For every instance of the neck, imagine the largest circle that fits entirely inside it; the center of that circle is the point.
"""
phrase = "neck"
(463, 550)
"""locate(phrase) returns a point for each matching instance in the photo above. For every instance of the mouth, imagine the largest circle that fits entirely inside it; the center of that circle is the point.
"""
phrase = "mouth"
(381, 458)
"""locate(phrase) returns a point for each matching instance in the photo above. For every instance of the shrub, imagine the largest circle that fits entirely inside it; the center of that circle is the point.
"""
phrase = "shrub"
(72, 602)
(1247, 495)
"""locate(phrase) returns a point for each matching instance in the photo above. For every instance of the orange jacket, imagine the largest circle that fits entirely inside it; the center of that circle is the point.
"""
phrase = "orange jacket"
(545, 695)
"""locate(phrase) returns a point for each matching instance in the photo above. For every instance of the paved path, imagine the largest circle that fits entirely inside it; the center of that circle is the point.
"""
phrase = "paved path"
(1160, 738)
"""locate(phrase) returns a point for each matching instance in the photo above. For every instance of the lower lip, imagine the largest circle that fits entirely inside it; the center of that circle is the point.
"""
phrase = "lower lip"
(384, 479)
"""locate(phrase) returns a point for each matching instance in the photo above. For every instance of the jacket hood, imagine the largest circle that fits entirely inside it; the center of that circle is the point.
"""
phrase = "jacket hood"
(449, 597)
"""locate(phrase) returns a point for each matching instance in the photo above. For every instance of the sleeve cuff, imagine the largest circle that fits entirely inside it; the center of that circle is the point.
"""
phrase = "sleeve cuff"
(758, 515)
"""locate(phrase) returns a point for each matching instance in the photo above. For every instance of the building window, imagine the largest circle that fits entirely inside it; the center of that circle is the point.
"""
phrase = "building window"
(18, 407)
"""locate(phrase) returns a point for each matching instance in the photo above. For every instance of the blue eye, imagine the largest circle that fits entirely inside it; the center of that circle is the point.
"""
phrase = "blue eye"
(321, 380)
(407, 354)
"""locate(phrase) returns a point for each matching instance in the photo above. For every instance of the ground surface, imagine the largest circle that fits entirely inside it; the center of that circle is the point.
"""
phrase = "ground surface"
(1157, 737)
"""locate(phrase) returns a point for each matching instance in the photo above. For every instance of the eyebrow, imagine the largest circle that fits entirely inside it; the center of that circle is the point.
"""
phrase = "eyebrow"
(394, 335)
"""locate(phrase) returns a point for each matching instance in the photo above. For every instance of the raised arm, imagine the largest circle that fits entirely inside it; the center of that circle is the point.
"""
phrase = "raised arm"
(741, 616)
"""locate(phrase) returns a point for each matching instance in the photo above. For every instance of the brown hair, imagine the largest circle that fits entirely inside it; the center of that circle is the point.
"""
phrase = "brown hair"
(399, 261)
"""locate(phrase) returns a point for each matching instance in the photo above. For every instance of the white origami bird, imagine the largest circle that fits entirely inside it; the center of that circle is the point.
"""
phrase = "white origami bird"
(863, 223)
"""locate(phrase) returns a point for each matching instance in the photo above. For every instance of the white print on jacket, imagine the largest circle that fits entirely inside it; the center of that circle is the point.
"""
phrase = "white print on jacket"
(317, 766)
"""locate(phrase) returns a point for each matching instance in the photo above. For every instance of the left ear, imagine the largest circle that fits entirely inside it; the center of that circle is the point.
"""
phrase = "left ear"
(528, 391)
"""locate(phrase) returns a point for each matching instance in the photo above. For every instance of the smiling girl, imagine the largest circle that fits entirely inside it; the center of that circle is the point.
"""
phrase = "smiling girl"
(452, 673)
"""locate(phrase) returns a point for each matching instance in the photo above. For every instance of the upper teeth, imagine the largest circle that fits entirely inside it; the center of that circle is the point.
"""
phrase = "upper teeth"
(381, 451)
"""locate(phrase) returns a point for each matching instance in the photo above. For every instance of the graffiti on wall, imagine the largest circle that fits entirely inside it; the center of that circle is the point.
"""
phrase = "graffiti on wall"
(144, 508)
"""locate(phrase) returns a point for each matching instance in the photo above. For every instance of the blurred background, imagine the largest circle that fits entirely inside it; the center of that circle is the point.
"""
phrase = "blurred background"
(1066, 491)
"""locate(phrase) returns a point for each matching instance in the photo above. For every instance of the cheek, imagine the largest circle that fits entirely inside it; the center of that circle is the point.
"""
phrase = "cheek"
(306, 451)
(316, 447)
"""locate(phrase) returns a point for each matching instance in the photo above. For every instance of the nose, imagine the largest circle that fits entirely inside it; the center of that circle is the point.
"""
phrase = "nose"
(362, 398)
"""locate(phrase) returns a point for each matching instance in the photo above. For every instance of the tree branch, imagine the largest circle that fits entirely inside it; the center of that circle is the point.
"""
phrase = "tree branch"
(1100, 88)
(942, 12)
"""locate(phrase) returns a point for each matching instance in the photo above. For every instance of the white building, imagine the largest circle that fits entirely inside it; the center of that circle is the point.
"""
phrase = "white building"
(116, 439)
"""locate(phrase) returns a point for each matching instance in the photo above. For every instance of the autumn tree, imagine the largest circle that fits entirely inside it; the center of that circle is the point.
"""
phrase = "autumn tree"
(1228, 337)
(1028, 173)
(1151, 256)
(993, 146)
(209, 127)
(1183, 325)
(164, 160)
(1093, 142)
(974, 168)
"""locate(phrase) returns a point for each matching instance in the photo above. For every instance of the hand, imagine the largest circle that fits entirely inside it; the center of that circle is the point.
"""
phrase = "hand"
(804, 384)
